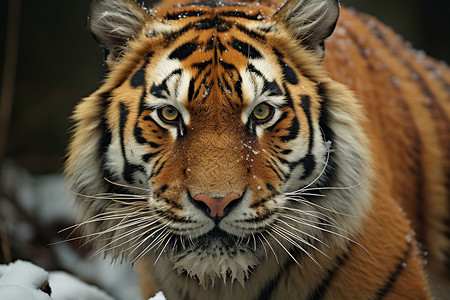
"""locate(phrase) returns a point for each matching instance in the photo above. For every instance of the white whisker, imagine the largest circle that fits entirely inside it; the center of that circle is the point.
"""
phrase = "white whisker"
(284, 248)
(288, 236)
(304, 233)
(270, 246)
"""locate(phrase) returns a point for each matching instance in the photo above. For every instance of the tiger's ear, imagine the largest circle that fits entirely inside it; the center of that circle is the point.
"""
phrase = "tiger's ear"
(114, 22)
(311, 21)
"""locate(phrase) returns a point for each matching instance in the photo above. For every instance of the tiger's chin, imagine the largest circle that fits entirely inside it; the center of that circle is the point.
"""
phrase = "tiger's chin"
(216, 255)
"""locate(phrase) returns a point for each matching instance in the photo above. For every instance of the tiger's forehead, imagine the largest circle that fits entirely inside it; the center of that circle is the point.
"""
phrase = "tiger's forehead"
(213, 47)
(178, 10)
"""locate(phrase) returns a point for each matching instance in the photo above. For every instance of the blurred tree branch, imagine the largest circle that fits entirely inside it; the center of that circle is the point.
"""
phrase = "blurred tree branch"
(4, 240)
(9, 71)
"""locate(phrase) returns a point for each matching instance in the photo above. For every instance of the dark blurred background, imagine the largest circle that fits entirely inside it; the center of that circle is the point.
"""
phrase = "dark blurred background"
(57, 63)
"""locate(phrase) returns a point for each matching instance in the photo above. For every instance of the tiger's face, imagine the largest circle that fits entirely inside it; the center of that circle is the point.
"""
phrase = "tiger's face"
(211, 134)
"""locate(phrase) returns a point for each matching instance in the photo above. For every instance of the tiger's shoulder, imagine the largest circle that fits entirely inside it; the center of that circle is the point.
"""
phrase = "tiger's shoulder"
(406, 97)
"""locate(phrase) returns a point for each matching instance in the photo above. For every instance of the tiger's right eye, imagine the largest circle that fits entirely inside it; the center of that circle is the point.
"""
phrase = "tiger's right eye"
(262, 113)
(168, 114)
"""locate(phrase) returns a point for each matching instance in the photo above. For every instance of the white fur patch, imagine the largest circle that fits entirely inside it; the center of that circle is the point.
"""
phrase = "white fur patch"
(216, 261)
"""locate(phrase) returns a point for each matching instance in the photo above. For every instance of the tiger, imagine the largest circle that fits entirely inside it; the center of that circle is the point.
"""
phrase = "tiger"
(264, 150)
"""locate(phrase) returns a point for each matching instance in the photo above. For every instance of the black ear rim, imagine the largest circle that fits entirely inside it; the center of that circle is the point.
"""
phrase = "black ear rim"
(333, 26)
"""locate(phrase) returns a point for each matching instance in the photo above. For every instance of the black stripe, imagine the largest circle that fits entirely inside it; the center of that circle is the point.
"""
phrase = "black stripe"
(105, 140)
(191, 89)
(309, 165)
(281, 118)
(217, 23)
(138, 134)
(269, 86)
(202, 65)
(286, 152)
(324, 119)
(269, 165)
(171, 36)
(241, 14)
(306, 106)
(220, 46)
(184, 51)
(259, 203)
(227, 66)
(148, 156)
(270, 187)
(250, 33)
(246, 49)
(238, 88)
(209, 45)
(251, 68)
(212, 4)
(384, 290)
(265, 28)
(271, 285)
(227, 88)
(157, 90)
(138, 78)
(184, 14)
(293, 130)
(141, 81)
(202, 84)
(282, 160)
(273, 87)
(155, 173)
(164, 188)
(328, 134)
(322, 287)
(288, 73)
(128, 168)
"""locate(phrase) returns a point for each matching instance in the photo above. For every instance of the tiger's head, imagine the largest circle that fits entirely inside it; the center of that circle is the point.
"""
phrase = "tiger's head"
(217, 141)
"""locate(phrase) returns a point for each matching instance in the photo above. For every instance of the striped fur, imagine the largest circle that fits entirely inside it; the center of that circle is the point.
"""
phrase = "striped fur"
(337, 194)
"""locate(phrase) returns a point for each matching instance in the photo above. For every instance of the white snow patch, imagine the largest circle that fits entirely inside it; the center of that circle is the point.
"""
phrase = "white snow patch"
(67, 287)
(158, 296)
(22, 280)
(47, 198)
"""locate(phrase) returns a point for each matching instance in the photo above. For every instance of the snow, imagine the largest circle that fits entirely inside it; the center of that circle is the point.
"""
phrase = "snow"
(105, 273)
(47, 199)
(158, 296)
(24, 280)
(67, 287)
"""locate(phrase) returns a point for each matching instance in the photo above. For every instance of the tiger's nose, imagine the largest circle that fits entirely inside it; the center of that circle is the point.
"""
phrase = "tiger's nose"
(217, 207)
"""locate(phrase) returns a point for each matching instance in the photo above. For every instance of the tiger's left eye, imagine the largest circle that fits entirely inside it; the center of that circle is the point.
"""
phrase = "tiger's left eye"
(168, 113)
(262, 112)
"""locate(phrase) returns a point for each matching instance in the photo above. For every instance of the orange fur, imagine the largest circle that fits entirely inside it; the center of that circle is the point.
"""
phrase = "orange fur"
(389, 162)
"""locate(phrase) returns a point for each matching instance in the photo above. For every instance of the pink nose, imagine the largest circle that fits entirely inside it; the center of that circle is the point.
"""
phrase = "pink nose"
(217, 205)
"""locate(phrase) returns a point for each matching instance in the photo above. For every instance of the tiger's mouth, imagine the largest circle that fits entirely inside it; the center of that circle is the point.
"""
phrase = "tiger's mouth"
(215, 254)
(214, 237)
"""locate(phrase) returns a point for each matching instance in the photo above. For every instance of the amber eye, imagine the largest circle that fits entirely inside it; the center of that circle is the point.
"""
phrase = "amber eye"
(168, 113)
(262, 112)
